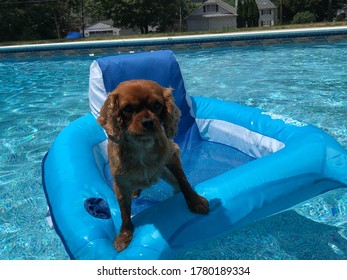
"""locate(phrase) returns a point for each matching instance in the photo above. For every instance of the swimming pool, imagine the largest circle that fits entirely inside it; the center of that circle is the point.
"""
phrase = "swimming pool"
(39, 97)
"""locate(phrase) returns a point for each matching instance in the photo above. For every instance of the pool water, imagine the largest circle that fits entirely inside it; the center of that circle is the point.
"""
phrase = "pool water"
(39, 97)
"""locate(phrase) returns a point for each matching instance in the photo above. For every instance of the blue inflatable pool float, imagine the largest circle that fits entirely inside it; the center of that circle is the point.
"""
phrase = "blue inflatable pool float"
(247, 162)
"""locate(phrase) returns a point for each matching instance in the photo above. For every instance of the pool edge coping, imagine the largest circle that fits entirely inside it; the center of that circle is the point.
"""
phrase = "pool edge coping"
(246, 37)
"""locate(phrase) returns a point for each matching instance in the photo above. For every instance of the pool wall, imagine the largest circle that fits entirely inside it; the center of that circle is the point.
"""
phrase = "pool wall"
(290, 36)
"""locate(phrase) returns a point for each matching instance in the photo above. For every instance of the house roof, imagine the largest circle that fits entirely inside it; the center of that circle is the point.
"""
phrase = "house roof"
(100, 26)
(265, 4)
(230, 9)
(217, 15)
(222, 4)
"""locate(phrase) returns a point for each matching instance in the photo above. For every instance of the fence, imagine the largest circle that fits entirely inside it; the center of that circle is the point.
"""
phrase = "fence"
(50, 19)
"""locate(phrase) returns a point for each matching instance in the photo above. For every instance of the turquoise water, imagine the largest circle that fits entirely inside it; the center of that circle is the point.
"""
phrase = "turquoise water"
(39, 97)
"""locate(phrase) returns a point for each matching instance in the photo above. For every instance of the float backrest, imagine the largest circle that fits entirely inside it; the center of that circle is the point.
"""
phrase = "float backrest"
(160, 66)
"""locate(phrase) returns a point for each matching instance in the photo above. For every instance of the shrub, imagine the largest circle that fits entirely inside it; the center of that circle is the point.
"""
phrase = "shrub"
(303, 17)
(340, 17)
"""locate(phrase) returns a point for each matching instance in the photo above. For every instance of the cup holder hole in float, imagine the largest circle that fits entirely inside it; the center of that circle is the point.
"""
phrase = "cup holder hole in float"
(98, 208)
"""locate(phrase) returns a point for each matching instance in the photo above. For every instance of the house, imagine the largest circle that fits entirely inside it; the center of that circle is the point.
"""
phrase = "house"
(101, 28)
(212, 15)
(267, 12)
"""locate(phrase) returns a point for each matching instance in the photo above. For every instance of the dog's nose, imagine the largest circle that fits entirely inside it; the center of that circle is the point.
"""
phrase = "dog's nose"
(146, 123)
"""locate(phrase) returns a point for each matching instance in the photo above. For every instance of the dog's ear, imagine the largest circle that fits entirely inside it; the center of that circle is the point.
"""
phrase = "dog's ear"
(110, 118)
(170, 114)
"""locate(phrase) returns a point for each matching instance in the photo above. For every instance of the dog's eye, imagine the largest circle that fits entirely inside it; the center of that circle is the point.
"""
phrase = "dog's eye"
(157, 105)
(128, 109)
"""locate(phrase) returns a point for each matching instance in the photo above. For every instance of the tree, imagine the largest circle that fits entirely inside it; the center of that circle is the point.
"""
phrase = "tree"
(321, 9)
(241, 15)
(253, 14)
(247, 14)
(94, 9)
(66, 15)
(145, 13)
(171, 14)
(34, 20)
(25, 21)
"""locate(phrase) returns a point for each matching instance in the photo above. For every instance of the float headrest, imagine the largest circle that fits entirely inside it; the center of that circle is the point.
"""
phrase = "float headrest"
(160, 66)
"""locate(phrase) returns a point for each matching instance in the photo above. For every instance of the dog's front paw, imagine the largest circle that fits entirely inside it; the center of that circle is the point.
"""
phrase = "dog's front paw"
(122, 240)
(198, 204)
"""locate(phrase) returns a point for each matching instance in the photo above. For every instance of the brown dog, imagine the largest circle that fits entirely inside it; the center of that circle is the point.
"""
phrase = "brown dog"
(140, 119)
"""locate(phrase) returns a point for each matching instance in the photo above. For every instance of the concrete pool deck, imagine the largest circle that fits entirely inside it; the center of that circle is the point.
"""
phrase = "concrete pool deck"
(107, 47)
